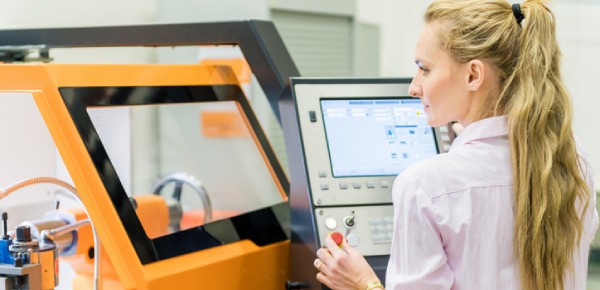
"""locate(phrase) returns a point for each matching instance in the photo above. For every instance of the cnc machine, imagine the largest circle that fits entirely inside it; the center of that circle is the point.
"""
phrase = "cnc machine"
(346, 140)
(237, 239)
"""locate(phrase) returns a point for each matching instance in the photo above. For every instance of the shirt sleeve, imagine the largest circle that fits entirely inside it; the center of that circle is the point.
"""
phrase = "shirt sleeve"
(417, 258)
(592, 212)
(591, 222)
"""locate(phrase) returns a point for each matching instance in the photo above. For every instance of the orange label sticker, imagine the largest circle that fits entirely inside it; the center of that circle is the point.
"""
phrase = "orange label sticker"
(222, 124)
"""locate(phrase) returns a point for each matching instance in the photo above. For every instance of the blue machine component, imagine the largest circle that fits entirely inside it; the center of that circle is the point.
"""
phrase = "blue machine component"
(5, 242)
(5, 255)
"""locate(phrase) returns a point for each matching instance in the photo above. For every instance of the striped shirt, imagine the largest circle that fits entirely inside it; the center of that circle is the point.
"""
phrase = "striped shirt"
(454, 219)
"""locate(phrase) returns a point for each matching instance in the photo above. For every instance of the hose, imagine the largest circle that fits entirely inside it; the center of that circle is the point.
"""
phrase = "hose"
(73, 193)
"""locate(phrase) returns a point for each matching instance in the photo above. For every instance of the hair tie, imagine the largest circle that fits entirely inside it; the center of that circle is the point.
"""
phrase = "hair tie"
(516, 8)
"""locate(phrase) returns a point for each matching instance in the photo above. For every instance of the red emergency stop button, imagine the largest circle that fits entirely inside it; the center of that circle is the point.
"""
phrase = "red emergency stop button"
(338, 238)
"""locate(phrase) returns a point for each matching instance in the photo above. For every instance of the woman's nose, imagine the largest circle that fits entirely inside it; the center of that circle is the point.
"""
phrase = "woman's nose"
(414, 90)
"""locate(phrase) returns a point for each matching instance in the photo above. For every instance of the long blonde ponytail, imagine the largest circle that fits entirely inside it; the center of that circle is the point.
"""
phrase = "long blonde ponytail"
(548, 182)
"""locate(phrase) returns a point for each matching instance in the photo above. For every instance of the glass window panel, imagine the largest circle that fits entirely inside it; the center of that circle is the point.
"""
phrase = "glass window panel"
(188, 150)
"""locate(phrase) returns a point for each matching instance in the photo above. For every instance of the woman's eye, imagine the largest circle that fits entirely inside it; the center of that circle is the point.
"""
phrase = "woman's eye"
(424, 70)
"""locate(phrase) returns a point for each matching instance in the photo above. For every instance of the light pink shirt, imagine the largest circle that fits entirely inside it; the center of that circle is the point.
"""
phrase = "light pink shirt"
(454, 220)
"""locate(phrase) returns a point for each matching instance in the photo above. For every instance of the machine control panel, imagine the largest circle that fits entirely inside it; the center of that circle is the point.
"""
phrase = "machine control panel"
(367, 228)
(356, 136)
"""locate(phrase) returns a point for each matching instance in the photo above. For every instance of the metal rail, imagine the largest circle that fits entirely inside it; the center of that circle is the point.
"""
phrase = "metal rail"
(259, 41)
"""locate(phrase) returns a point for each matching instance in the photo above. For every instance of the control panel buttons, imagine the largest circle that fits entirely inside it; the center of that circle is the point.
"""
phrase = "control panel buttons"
(368, 229)
(322, 174)
(384, 184)
(343, 185)
(337, 238)
(381, 229)
(375, 221)
(377, 237)
(446, 147)
(324, 186)
(357, 185)
(387, 237)
(370, 184)
(330, 223)
(312, 116)
(353, 240)
(349, 222)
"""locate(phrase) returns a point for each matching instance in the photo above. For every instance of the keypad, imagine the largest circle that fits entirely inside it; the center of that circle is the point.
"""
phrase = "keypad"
(381, 229)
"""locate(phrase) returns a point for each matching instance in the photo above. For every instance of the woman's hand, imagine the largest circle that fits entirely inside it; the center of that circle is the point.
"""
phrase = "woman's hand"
(342, 267)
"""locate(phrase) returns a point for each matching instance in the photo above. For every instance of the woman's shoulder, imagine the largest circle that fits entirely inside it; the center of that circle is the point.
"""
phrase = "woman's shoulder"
(431, 174)
(458, 171)
(439, 163)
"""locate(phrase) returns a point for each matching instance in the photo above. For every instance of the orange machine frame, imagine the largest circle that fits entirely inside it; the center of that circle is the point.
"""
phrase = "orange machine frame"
(238, 265)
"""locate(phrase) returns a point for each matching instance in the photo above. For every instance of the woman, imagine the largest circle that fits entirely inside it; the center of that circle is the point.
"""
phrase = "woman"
(511, 205)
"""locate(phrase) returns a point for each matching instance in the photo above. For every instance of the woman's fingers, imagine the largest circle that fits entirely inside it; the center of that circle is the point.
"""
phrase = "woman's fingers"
(325, 256)
(318, 264)
(334, 248)
(323, 278)
(349, 249)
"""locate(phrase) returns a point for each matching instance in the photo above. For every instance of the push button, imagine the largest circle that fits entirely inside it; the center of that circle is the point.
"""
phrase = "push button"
(312, 115)
(337, 238)
(330, 223)
(353, 240)
(385, 184)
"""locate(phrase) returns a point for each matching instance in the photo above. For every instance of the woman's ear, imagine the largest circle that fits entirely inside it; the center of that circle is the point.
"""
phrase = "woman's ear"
(477, 74)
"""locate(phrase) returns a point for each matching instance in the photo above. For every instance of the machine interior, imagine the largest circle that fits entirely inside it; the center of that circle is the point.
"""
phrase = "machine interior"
(207, 140)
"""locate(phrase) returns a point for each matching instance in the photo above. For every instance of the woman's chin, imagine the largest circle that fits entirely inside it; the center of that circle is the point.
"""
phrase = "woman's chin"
(431, 121)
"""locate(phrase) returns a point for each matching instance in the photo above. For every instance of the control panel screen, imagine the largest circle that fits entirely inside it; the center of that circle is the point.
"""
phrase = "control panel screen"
(376, 137)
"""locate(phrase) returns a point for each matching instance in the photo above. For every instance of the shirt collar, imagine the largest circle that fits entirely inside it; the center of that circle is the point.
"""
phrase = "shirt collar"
(482, 129)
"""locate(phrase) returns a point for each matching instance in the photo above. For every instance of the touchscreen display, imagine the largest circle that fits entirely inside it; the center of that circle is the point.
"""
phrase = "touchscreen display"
(376, 137)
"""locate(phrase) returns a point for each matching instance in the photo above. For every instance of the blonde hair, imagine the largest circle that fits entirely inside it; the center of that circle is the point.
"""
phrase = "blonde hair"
(547, 173)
